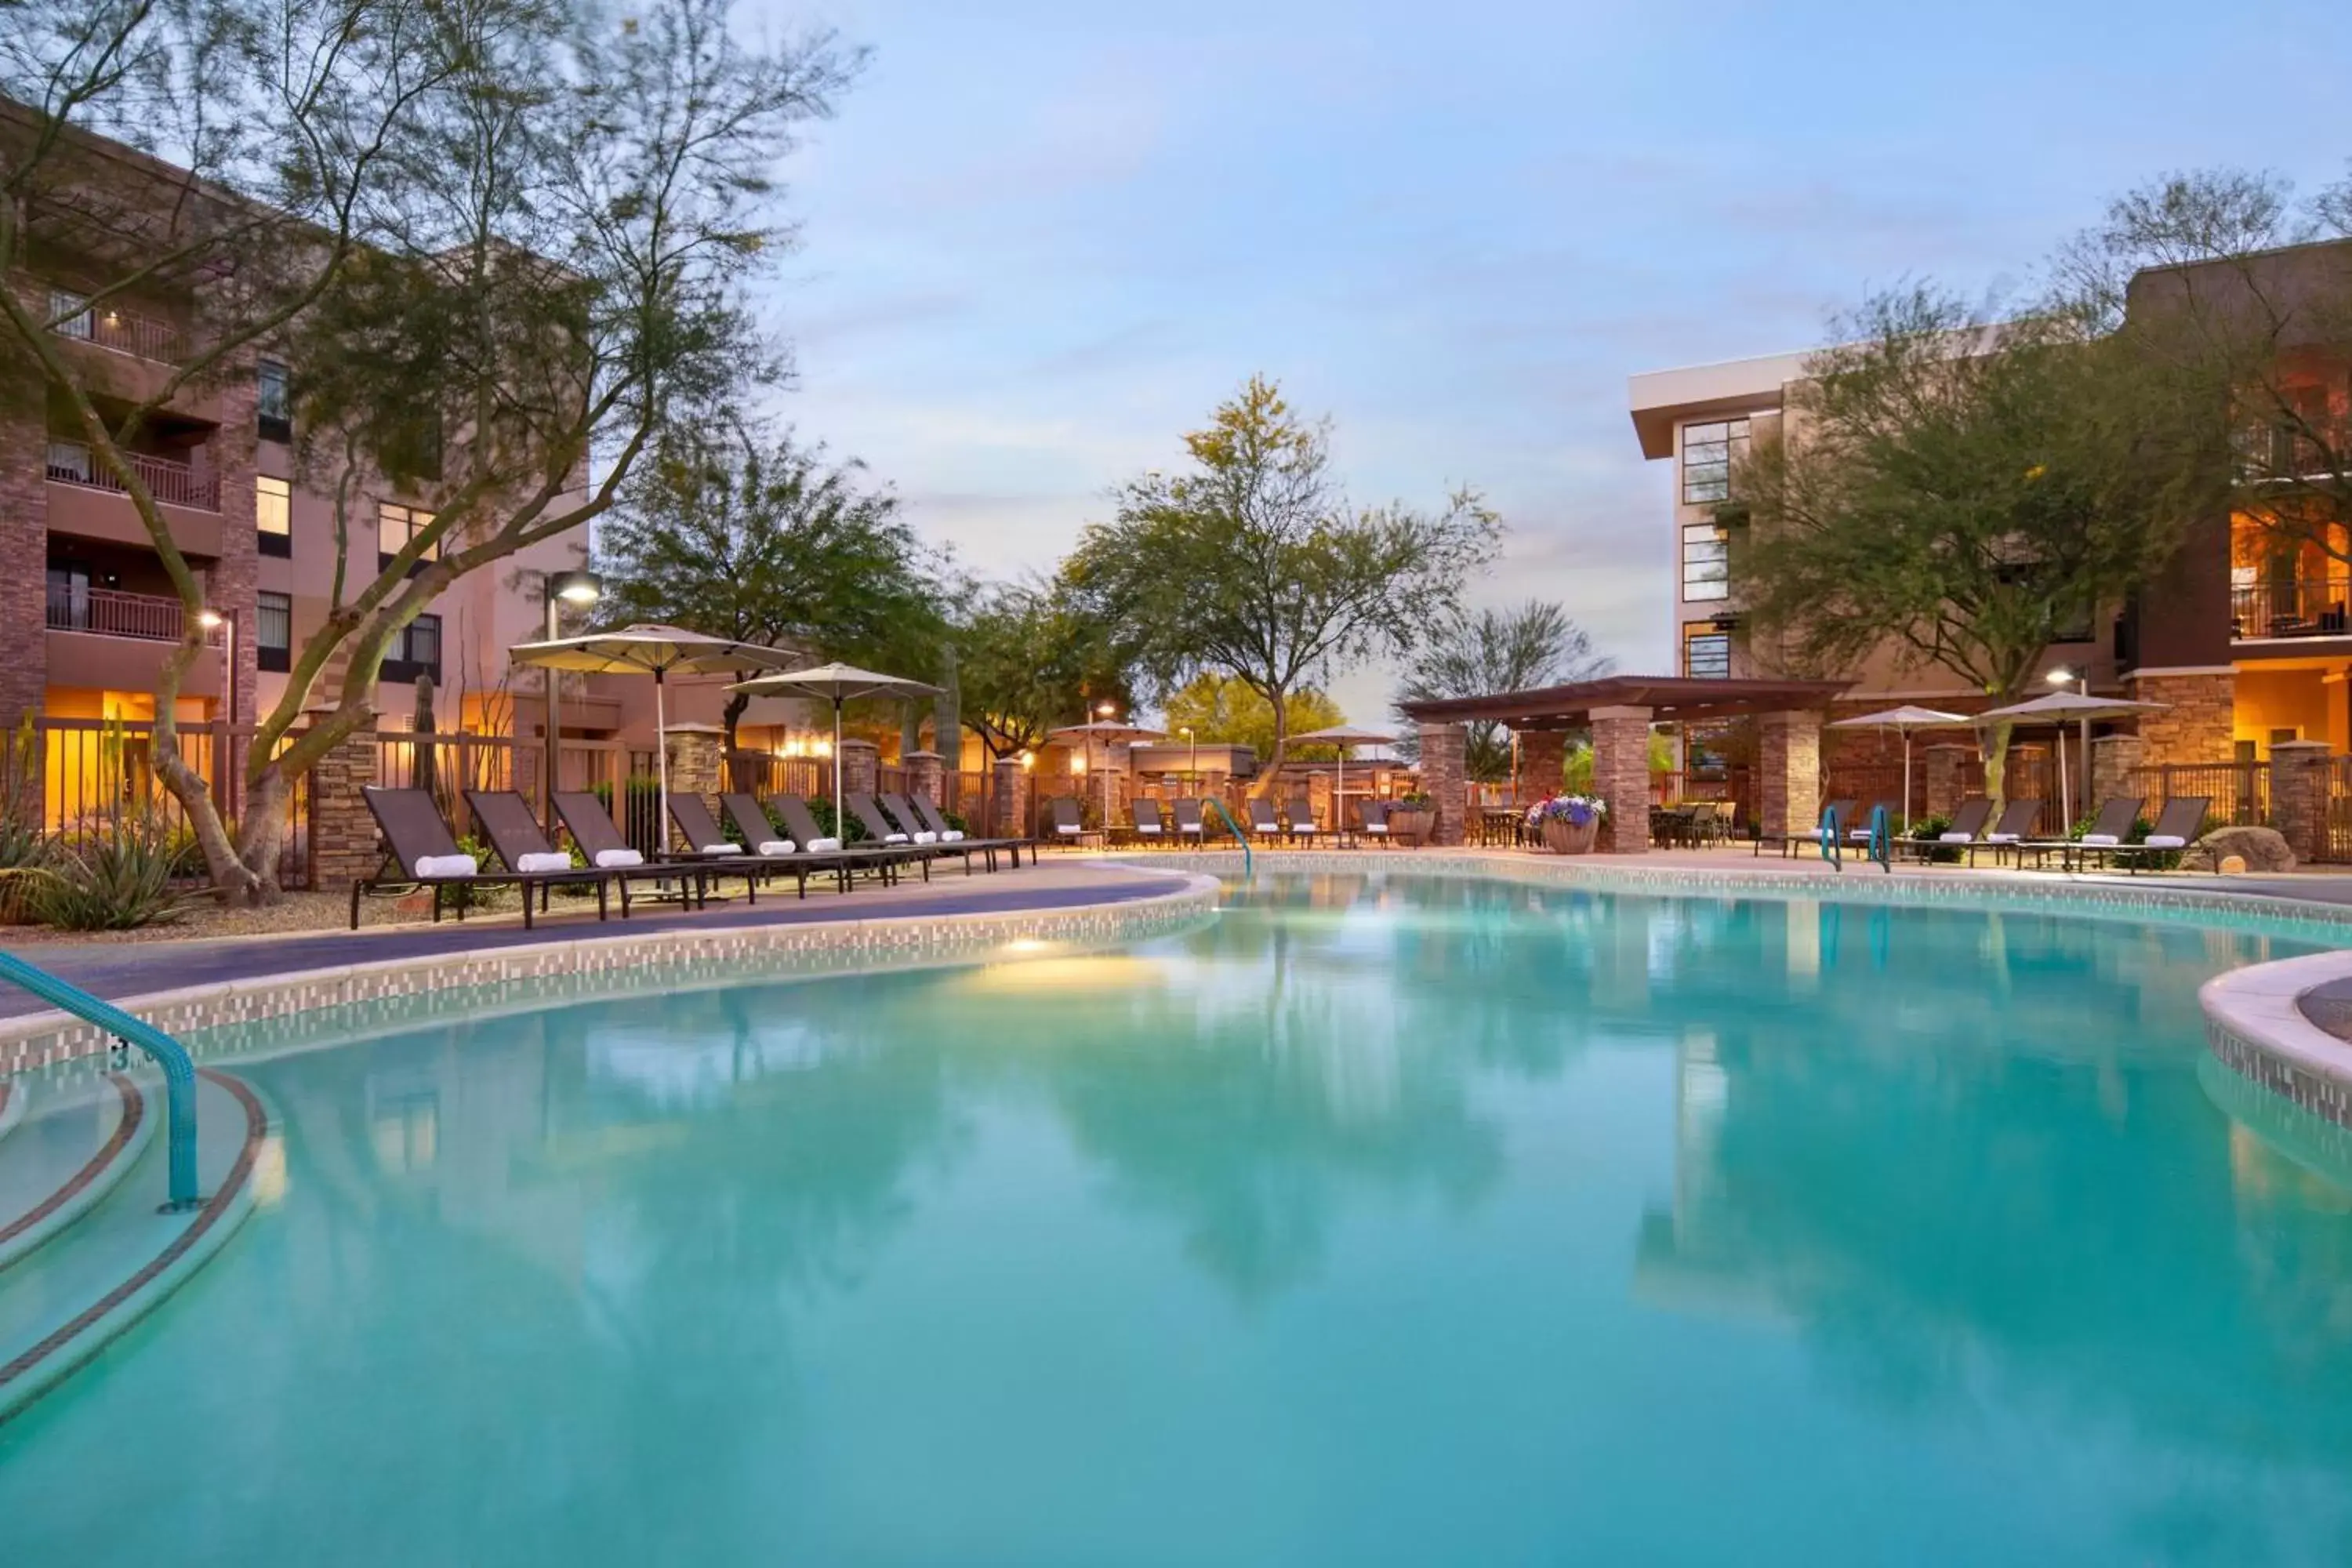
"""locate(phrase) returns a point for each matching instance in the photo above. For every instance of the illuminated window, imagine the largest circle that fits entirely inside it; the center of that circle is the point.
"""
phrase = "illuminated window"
(414, 650)
(273, 631)
(1708, 453)
(396, 525)
(1706, 651)
(273, 515)
(1706, 563)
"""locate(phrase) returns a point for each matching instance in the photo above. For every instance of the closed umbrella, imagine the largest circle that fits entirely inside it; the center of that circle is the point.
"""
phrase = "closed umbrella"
(1903, 720)
(2064, 708)
(1110, 733)
(836, 684)
(648, 649)
(1343, 736)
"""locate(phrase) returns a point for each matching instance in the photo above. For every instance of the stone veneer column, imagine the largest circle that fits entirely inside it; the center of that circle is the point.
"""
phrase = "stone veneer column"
(1620, 775)
(1010, 784)
(925, 772)
(1443, 778)
(861, 766)
(2198, 721)
(1543, 754)
(2299, 797)
(24, 592)
(1789, 772)
(343, 846)
(2115, 762)
(1943, 765)
(697, 761)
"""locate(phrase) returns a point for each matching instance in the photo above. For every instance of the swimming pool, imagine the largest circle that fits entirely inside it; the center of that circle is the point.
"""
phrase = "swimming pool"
(1383, 1221)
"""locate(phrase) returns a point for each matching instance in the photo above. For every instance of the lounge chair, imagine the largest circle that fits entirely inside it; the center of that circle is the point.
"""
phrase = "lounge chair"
(1190, 829)
(419, 848)
(2014, 827)
(931, 819)
(1263, 822)
(1373, 817)
(899, 813)
(1065, 821)
(591, 827)
(751, 820)
(1858, 830)
(1838, 810)
(507, 819)
(881, 860)
(2176, 828)
(2108, 829)
(1301, 816)
(768, 855)
(1150, 825)
(1966, 825)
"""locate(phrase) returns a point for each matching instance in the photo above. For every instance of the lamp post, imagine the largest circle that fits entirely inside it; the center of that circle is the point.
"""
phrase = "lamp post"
(576, 588)
(1192, 759)
(2062, 676)
(226, 623)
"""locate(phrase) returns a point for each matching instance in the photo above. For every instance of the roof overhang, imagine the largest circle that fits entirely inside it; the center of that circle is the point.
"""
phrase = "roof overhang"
(1667, 697)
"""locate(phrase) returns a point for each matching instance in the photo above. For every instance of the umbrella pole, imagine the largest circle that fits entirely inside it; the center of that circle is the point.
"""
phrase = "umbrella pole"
(2065, 798)
(1907, 780)
(840, 818)
(661, 765)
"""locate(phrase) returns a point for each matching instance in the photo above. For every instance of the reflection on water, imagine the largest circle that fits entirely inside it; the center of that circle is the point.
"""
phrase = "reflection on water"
(1411, 1222)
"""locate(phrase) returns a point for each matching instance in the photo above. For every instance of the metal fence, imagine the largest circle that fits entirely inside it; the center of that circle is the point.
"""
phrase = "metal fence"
(2239, 793)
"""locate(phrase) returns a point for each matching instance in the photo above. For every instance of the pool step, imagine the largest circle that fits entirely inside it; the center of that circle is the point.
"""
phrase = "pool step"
(62, 1150)
(63, 1301)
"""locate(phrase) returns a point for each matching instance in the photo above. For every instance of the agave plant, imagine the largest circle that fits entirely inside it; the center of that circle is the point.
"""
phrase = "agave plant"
(114, 877)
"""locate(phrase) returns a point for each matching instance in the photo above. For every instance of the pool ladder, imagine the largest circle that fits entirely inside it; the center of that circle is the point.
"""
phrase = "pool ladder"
(179, 1071)
(1239, 837)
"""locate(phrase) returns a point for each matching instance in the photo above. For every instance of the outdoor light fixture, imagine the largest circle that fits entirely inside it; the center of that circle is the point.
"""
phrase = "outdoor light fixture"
(1105, 711)
(575, 587)
(580, 590)
(2060, 677)
(213, 620)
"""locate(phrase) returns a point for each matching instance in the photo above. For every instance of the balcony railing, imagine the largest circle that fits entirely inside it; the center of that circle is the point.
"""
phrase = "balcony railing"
(2305, 607)
(174, 484)
(111, 327)
(110, 612)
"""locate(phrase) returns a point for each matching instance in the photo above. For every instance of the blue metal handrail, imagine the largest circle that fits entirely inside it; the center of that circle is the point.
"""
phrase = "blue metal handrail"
(1236, 829)
(179, 1071)
(1882, 839)
(1832, 838)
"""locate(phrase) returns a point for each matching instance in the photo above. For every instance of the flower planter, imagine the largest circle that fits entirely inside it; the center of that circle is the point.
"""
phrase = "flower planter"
(1412, 824)
(1564, 837)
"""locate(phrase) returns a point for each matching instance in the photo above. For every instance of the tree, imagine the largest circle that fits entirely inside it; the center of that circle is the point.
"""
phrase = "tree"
(1535, 644)
(1254, 561)
(1030, 660)
(1223, 707)
(1966, 490)
(2221, 285)
(504, 245)
(769, 543)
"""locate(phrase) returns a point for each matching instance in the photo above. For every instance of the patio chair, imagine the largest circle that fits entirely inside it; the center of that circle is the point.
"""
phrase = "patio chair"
(1966, 825)
(1065, 821)
(513, 830)
(591, 827)
(901, 813)
(2014, 827)
(880, 829)
(1858, 830)
(1301, 816)
(881, 860)
(751, 819)
(1373, 814)
(1710, 823)
(419, 848)
(766, 854)
(1150, 823)
(2177, 826)
(1190, 829)
(2108, 829)
(1838, 810)
(931, 818)
(1264, 824)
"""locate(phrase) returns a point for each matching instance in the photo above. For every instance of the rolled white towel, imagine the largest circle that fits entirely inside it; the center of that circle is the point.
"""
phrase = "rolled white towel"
(1954, 839)
(893, 838)
(532, 865)
(1376, 828)
(2101, 838)
(775, 846)
(952, 836)
(715, 849)
(1148, 829)
(824, 846)
(449, 866)
(1068, 830)
(927, 838)
(1302, 827)
(2166, 841)
(618, 859)
(2004, 837)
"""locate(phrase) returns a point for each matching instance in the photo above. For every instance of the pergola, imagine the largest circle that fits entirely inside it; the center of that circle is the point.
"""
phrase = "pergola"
(1618, 710)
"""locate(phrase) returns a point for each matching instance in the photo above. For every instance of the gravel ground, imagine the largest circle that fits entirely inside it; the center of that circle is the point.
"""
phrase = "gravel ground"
(293, 913)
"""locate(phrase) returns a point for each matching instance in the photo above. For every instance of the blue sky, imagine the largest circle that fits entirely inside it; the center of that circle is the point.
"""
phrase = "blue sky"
(1042, 239)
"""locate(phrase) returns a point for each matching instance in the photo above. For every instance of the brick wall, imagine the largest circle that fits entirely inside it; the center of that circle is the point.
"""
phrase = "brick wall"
(23, 546)
(2299, 780)
(1620, 775)
(861, 766)
(1789, 772)
(1444, 777)
(2198, 721)
(342, 830)
(1542, 755)
(925, 772)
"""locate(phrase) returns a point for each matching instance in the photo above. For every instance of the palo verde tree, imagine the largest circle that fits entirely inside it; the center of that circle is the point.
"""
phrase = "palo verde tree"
(1225, 709)
(1254, 561)
(505, 245)
(768, 543)
(1030, 660)
(1968, 491)
(1530, 645)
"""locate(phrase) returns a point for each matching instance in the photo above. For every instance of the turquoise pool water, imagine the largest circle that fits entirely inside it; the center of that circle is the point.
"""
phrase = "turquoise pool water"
(1417, 1223)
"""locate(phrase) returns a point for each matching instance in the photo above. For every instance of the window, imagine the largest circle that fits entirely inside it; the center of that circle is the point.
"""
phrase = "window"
(416, 651)
(273, 401)
(1706, 651)
(273, 515)
(1708, 453)
(273, 631)
(70, 312)
(1706, 564)
(395, 526)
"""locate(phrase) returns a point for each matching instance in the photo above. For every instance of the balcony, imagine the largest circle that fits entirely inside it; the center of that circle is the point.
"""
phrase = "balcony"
(170, 482)
(2305, 607)
(110, 612)
(117, 329)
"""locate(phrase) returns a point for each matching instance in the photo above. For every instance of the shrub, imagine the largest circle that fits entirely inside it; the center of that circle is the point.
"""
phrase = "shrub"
(1926, 830)
(113, 878)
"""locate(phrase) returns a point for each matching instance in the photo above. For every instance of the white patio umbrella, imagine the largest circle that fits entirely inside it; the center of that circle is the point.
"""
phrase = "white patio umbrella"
(649, 650)
(1110, 732)
(836, 684)
(1904, 721)
(1343, 736)
(2063, 708)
